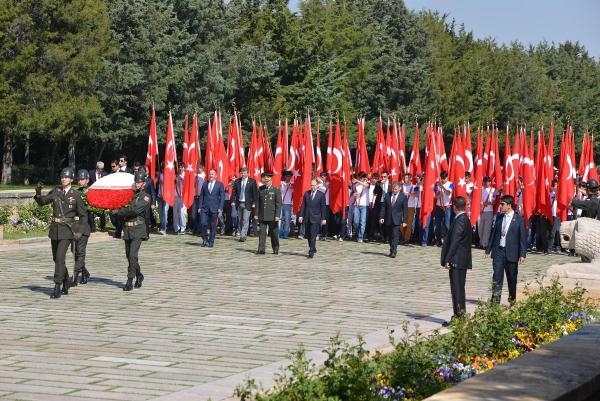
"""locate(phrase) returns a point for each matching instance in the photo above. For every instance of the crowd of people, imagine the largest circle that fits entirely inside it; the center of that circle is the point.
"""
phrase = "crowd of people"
(378, 211)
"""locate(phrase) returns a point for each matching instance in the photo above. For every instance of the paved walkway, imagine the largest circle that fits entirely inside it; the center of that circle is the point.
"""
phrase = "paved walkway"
(207, 318)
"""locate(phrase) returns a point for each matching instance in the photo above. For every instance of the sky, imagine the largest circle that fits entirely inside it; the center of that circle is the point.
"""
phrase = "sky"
(528, 21)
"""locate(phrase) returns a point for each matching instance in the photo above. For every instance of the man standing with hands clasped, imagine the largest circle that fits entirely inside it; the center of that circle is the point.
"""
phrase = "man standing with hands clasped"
(508, 246)
(394, 214)
(269, 209)
(456, 255)
(313, 215)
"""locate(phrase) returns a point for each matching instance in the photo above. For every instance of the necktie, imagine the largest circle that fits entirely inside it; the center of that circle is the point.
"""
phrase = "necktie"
(312, 196)
(393, 200)
(210, 187)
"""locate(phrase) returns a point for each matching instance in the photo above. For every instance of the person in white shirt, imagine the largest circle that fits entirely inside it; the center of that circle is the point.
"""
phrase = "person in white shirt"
(361, 203)
(486, 218)
(443, 206)
(287, 190)
(554, 243)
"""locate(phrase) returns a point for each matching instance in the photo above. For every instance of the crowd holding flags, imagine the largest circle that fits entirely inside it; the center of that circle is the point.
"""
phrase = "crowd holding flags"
(524, 171)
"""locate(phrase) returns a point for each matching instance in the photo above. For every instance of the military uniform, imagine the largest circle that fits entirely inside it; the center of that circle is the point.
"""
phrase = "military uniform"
(268, 212)
(67, 209)
(83, 227)
(589, 207)
(134, 232)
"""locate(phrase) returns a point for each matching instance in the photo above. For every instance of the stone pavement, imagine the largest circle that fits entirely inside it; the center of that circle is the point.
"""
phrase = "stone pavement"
(206, 319)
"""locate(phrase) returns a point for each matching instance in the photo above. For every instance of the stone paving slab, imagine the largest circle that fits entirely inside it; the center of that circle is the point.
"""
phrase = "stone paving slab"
(206, 319)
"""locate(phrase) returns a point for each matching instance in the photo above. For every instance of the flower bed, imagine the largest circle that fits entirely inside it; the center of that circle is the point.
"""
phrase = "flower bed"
(421, 365)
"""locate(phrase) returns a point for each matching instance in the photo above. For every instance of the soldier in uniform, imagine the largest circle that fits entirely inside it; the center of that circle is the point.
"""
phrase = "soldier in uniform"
(269, 210)
(135, 231)
(67, 209)
(83, 227)
(589, 207)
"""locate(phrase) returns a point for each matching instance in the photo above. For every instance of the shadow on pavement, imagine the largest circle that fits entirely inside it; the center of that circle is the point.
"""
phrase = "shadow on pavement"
(105, 281)
(419, 316)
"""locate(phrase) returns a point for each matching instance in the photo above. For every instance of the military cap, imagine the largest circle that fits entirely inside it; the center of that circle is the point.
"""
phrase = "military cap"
(67, 172)
(592, 185)
(139, 176)
(83, 174)
(266, 175)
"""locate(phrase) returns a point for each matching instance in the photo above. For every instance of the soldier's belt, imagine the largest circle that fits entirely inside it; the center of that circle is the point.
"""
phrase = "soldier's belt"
(133, 223)
(64, 219)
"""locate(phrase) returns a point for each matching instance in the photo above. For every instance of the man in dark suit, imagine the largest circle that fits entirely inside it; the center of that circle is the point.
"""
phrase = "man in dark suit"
(393, 214)
(95, 175)
(313, 214)
(456, 255)
(244, 196)
(267, 214)
(508, 246)
(212, 199)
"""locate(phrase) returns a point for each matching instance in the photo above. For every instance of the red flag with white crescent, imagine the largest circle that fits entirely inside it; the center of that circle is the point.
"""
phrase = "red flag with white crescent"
(152, 153)
(170, 165)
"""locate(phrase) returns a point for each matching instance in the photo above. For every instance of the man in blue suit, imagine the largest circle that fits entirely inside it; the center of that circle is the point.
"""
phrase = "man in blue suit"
(313, 215)
(212, 198)
(394, 214)
(508, 246)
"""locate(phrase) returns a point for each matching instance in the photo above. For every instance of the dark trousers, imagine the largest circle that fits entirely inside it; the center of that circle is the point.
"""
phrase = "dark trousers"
(132, 247)
(543, 233)
(555, 234)
(273, 227)
(373, 230)
(312, 230)
(117, 222)
(80, 248)
(458, 278)
(393, 233)
(209, 222)
(500, 266)
(324, 227)
(59, 254)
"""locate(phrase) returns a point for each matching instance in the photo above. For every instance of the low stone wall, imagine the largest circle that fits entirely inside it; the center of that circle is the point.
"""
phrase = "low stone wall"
(16, 196)
(567, 369)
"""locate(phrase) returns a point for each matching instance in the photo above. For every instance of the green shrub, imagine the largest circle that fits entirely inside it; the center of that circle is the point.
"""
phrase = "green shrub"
(5, 212)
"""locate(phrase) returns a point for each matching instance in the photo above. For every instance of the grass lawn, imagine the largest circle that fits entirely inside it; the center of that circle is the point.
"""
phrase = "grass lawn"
(22, 235)
(13, 187)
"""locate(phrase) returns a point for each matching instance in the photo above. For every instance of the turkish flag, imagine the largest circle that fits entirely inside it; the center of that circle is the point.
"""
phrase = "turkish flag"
(395, 156)
(318, 158)
(152, 153)
(542, 202)
(278, 158)
(362, 157)
(468, 149)
(510, 175)
(414, 165)
(255, 154)
(431, 177)
(329, 156)
(478, 182)
(452, 168)
(566, 179)
(170, 165)
(302, 184)
(191, 161)
(528, 174)
(400, 146)
(441, 157)
(267, 151)
(337, 185)
(460, 183)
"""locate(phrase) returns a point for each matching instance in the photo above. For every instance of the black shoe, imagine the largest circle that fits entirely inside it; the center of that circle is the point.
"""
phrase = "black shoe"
(56, 293)
(311, 255)
(211, 245)
(75, 279)
(243, 239)
(204, 244)
(65, 286)
(445, 323)
(276, 251)
(138, 280)
(260, 252)
(392, 254)
(128, 285)
(85, 276)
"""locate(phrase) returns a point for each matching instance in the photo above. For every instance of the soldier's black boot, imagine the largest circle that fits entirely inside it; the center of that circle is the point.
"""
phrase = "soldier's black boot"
(56, 293)
(85, 276)
(65, 287)
(128, 285)
(75, 278)
(138, 280)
